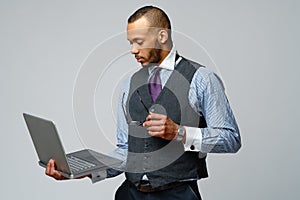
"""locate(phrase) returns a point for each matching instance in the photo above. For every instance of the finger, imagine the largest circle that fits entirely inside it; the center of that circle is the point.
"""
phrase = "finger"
(156, 116)
(48, 168)
(148, 118)
(52, 164)
(57, 175)
(150, 123)
(155, 134)
(147, 123)
(158, 128)
(51, 167)
(54, 173)
(156, 122)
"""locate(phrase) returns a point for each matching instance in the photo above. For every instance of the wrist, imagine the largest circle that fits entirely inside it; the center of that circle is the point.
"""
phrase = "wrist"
(181, 133)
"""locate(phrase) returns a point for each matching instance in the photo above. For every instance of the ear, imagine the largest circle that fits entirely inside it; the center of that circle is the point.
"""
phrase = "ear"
(163, 36)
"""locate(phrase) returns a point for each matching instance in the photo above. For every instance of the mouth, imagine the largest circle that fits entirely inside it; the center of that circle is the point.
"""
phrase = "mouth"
(139, 59)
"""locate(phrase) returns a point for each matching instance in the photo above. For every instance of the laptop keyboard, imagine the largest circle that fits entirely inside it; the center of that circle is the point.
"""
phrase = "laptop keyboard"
(77, 164)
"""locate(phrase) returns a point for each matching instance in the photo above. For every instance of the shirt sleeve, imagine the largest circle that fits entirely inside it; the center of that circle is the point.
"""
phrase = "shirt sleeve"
(207, 97)
(193, 139)
(122, 134)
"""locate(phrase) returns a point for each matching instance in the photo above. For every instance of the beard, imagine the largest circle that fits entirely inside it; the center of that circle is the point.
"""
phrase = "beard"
(154, 56)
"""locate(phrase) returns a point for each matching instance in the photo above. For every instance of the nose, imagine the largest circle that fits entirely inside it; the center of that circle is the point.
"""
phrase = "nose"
(134, 49)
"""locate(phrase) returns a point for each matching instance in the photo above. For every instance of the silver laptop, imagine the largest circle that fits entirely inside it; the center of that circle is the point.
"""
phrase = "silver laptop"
(48, 145)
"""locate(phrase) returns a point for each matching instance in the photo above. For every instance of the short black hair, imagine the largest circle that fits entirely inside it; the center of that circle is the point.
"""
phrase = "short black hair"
(156, 16)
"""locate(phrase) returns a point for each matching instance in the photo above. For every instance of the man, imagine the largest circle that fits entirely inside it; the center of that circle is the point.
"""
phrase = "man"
(172, 112)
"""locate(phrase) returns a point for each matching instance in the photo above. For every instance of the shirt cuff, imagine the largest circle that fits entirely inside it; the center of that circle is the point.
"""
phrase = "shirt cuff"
(98, 176)
(193, 139)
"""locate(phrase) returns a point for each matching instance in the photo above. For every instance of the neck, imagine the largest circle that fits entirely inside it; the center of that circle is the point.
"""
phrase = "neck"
(165, 50)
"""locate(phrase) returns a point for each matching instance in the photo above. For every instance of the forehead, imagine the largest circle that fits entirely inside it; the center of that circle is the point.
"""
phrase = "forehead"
(138, 28)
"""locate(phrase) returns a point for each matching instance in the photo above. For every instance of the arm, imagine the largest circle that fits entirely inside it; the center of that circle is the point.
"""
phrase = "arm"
(207, 96)
(122, 131)
(122, 134)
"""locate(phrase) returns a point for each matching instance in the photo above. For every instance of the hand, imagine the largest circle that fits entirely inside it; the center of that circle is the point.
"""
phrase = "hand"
(52, 172)
(159, 125)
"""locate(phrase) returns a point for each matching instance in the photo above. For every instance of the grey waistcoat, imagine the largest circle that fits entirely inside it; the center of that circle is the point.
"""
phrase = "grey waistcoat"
(161, 160)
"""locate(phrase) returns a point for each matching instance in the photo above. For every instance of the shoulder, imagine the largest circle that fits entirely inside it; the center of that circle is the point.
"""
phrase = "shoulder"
(204, 76)
(201, 70)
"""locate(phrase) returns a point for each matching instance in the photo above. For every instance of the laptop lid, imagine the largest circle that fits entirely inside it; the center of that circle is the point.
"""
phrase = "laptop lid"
(47, 142)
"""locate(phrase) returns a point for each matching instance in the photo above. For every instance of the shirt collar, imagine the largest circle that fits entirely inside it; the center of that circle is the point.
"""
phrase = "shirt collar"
(169, 61)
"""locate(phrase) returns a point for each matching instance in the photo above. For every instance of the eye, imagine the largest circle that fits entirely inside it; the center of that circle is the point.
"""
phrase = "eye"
(140, 42)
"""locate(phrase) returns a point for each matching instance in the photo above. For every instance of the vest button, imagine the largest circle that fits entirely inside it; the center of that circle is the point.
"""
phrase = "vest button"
(192, 147)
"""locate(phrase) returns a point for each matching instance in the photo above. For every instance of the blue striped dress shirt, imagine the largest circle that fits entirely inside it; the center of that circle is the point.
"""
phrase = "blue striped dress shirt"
(206, 96)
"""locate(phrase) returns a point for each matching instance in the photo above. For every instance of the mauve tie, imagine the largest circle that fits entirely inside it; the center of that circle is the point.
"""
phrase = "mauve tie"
(155, 84)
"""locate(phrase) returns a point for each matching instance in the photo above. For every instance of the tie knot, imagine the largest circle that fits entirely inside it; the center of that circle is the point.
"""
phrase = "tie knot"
(156, 69)
(154, 75)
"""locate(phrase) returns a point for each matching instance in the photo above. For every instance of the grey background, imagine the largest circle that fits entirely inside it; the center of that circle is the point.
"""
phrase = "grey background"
(255, 45)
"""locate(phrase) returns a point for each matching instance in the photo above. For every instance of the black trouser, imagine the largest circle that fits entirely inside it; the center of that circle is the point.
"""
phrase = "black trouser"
(188, 191)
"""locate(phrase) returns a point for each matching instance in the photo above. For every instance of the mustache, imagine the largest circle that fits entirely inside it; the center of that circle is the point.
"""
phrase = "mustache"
(138, 57)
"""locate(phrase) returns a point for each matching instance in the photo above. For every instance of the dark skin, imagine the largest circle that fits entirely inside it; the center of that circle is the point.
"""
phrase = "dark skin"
(147, 46)
(52, 172)
(162, 126)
